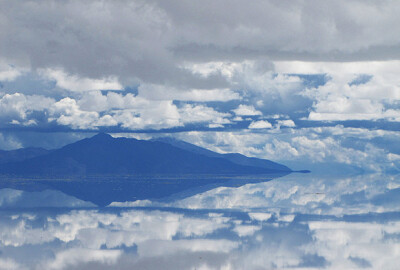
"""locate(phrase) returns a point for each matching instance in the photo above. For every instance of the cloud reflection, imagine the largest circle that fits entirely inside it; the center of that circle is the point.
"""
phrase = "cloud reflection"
(291, 223)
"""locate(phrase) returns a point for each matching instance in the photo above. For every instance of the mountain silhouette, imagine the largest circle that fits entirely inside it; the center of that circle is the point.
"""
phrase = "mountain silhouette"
(21, 154)
(105, 155)
(103, 169)
(232, 157)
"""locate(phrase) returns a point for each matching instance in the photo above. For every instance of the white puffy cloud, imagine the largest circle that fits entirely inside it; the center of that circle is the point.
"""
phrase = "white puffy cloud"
(201, 113)
(259, 86)
(246, 230)
(283, 198)
(322, 150)
(128, 229)
(68, 113)
(246, 110)
(260, 216)
(261, 124)
(136, 112)
(357, 245)
(282, 148)
(94, 109)
(347, 97)
(18, 107)
(307, 147)
(156, 115)
(286, 123)
(350, 102)
(8, 72)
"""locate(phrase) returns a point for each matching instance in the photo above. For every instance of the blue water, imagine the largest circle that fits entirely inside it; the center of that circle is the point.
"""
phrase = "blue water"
(299, 221)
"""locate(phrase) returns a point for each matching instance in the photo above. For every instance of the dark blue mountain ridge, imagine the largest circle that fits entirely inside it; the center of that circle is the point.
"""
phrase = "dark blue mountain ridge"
(21, 154)
(105, 155)
(103, 169)
(232, 157)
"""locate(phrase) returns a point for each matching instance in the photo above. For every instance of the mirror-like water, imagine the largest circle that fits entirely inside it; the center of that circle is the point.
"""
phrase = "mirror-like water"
(295, 222)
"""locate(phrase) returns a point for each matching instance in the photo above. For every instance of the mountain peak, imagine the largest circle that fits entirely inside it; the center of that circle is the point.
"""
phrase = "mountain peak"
(102, 136)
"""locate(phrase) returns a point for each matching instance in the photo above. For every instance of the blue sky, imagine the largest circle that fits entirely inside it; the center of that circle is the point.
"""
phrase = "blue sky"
(298, 82)
(308, 83)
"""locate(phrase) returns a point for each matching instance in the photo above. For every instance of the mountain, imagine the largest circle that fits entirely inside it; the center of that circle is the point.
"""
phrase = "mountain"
(105, 155)
(21, 154)
(103, 169)
(232, 157)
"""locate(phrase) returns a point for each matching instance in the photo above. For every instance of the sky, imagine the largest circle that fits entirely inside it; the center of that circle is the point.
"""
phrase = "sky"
(305, 83)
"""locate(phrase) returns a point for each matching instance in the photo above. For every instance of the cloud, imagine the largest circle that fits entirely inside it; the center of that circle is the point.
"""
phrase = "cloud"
(166, 59)
(94, 230)
(201, 113)
(355, 251)
(162, 92)
(246, 110)
(74, 83)
(340, 99)
(155, 38)
(166, 83)
(162, 248)
(10, 198)
(17, 108)
(297, 220)
(75, 256)
(68, 113)
(246, 230)
(9, 264)
(283, 199)
(156, 115)
(85, 49)
(93, 110)
(272, 78)
(8, 72)
(260, 216)
(353, 148)
(260, 124)
(286, 123)
(9, 142)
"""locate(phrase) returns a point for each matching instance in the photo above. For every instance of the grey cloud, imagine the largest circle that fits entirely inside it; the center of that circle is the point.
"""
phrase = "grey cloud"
(183, 260)
(149, 41)
(96, 39)
(169, 50)
(311, 30)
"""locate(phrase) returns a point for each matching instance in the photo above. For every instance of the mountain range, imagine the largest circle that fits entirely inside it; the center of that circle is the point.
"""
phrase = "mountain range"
(105, 155)
(103, 169)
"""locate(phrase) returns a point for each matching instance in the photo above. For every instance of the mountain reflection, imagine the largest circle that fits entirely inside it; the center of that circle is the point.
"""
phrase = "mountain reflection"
(295, 222)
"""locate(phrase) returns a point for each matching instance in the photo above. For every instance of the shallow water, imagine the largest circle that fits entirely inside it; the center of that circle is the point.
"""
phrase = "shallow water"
(295, 222)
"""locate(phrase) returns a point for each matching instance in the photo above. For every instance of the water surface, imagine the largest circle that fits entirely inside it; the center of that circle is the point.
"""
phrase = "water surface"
(300, 221)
